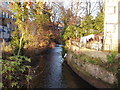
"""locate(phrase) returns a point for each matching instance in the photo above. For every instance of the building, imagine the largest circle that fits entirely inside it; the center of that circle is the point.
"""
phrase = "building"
(112, 25)
(7, 23)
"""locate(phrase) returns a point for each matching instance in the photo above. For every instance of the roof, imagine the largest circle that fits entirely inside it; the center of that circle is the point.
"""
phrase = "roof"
(4, 7)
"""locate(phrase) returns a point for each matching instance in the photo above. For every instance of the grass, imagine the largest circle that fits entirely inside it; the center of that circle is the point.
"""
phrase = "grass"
(79, 69)
(110, 66)
(86, 58)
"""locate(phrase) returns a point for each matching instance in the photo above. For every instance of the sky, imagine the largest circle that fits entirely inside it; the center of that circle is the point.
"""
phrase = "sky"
(66, 3)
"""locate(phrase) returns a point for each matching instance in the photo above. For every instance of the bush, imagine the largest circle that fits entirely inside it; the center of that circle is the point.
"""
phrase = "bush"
(14, 71)
(7, 51)
(111, 58)
(72, 31)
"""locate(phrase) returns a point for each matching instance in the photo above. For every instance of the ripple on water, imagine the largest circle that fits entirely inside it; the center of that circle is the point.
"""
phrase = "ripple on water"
(56, 74)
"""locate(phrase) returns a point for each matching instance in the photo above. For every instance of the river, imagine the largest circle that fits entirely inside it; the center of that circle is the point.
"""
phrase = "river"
(52, 72)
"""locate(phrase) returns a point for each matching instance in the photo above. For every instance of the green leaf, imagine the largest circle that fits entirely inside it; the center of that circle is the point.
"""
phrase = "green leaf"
(1, 84)
(14, 84)
(28, 77)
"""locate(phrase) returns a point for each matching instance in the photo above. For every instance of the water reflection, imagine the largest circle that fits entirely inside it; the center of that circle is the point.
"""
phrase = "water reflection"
(53, 73)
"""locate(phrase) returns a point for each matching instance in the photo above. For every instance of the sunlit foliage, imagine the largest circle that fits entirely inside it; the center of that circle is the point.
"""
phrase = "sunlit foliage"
(88, 25)
(31, 20)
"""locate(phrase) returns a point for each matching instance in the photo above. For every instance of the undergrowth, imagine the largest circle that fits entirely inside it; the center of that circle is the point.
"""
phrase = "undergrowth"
(15, 72)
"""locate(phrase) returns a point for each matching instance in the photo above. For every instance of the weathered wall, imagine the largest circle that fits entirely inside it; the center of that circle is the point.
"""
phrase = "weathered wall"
(112, 25)
(93, 73)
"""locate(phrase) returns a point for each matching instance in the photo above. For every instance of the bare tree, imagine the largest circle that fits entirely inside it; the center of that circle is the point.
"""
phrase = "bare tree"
(76, 10)
(87, 7)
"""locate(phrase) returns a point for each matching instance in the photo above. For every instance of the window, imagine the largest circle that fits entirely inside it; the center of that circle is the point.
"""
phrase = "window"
(3, 14)
(10, 16)
(7, 15)
(8, 32)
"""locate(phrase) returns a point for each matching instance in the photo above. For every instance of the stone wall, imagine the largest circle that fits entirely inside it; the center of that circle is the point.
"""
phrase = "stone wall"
(89, 52)
(94, 74)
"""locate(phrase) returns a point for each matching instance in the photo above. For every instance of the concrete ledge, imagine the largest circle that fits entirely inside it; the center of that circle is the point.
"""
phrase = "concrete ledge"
(90, 52)
(96, 75)
(93, 74)
(90, 74)
(91, 80)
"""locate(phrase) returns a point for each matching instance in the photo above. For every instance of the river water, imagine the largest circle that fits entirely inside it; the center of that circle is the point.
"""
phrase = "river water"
(52, 72)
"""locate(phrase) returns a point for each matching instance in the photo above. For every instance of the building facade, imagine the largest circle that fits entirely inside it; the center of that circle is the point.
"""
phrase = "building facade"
(7, 23)
(112, 25)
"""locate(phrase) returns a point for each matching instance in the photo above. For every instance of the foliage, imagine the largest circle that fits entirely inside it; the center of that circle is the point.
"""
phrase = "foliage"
(87, 25)
(31, 25)
(66, 15)
(99, 23)
(118, 76)
(90, 25)
(7, 49)
(111, 58)
(30, 30)
(69, 32)
(14, 70)
(16, 42)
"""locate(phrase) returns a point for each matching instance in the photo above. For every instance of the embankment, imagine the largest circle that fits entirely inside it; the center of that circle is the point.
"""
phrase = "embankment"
(92, 66)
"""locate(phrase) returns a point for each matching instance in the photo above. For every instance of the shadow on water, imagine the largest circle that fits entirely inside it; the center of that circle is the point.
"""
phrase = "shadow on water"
(52, 72)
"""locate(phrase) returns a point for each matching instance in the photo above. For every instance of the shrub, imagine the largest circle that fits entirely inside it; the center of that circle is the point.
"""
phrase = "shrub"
(7, 51)
(111, 58)
(14, 71)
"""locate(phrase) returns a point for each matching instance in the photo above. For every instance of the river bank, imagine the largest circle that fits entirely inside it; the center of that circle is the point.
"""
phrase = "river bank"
(93, 66)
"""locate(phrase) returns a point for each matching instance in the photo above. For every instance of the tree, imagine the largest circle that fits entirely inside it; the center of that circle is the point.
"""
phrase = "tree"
(36, 15)
(87, 25)
(99, 23)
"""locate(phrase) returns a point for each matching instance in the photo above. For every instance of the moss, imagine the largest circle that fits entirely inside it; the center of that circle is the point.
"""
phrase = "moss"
(111, 58)
(78, 68)
(111, 67)
(92, 61)
(85, 58)
(74, 66)
(75, 56)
